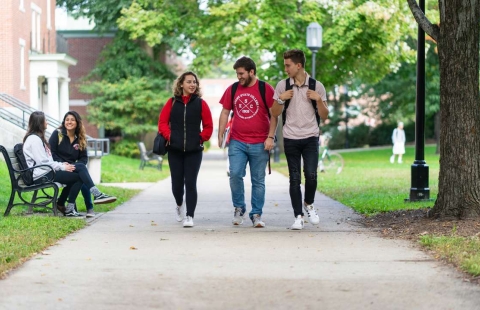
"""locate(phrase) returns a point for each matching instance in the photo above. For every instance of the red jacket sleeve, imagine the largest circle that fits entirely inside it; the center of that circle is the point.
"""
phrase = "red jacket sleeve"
(164, 120)
(207, 122)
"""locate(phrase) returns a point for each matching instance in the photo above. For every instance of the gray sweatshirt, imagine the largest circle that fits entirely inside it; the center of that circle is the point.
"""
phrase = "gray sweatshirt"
(38, 154)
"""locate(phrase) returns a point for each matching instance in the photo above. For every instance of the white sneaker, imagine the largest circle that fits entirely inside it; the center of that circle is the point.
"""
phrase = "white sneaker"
(257, 221)
(238, 217)
(298, 224)
(392, 159)
(188, 222)
(179, 211)
(400, 161)
(312, 214)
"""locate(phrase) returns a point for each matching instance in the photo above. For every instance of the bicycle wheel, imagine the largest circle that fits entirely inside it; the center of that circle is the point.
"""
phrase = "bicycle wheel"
(333, 163)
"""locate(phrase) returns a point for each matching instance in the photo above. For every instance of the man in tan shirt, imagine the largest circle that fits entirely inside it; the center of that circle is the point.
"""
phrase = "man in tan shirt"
(302, 100)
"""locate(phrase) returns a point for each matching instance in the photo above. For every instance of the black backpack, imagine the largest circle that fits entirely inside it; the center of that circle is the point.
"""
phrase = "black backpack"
(311, 85)
(27, 176)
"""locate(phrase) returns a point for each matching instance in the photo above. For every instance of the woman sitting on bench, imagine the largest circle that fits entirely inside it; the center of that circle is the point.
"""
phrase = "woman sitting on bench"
(69, 144)
(37, 152)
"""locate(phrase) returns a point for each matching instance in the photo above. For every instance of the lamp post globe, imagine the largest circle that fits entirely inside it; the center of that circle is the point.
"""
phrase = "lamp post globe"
(314, 41)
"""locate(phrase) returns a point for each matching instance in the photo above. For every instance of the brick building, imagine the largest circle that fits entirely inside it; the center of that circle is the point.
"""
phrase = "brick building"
(33, 70)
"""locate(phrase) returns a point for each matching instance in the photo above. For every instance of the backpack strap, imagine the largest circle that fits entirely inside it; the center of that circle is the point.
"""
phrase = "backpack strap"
(233, 91)
(60, 136)
(311, 85)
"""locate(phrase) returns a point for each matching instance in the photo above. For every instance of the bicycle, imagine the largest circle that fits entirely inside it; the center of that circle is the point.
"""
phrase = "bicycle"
(330, 161)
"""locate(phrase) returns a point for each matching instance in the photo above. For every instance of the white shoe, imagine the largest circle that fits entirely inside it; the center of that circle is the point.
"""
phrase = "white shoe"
(188, 222)
(312, 214)
(238, 217)
(392, 159)
(400, 161)
(257, 221)
(298, 224)
(179, 211)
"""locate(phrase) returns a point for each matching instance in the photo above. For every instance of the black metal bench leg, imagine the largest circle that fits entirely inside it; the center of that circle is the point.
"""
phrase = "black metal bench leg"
(54, 201)
(10, 203)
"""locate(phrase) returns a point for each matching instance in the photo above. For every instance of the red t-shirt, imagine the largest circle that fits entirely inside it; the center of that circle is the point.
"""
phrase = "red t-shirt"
(251, 122)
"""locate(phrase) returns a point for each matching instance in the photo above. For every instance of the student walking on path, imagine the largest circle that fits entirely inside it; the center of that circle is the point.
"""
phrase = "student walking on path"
(252, 137)
(69, 144)
(302, 100)
(186, 123)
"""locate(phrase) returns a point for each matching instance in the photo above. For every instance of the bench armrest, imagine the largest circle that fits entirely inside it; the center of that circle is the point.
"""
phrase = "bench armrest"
(44, 178)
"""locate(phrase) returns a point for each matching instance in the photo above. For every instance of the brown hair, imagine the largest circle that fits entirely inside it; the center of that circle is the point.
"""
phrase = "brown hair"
(246, 63)
(36, 126)
(177, 86)
(79, 130)
(296, 56)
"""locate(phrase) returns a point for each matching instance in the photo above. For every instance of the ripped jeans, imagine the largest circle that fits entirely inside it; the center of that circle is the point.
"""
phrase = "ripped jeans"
(295, 150)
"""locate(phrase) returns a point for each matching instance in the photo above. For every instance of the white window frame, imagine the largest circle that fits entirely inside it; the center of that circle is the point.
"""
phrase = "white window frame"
(22, 6)
(36, 27)
(22, 63)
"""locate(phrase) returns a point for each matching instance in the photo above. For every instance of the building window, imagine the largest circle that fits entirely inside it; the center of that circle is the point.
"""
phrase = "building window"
(36, 34)
(22, 63)
(21, 7)
(49, 15)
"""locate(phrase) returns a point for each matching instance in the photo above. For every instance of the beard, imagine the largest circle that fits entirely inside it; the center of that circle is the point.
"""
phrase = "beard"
(246, 81)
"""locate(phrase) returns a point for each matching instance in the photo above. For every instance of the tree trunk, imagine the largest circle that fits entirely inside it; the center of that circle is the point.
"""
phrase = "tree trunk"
(436, 129)
(458, 46)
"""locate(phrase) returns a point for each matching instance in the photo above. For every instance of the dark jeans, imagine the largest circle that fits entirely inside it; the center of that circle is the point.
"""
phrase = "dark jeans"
(184, 168)
(72, 182)
(295, 150)
(82, 171)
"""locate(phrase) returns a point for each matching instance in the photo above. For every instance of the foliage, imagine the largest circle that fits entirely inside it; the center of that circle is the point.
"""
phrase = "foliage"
(126, 148)
(362, 39)
(132, 105)
(123, 58)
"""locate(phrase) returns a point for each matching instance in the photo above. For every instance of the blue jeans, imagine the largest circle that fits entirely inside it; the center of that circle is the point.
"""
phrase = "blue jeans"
(294, 151)
(87, 196)
(239, 154)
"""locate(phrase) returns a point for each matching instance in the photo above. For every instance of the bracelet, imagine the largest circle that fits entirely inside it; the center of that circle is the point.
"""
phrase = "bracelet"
(271, 137)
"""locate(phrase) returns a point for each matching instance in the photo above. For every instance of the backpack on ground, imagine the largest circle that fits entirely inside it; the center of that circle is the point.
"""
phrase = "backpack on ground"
(311, 85)
(27, 176)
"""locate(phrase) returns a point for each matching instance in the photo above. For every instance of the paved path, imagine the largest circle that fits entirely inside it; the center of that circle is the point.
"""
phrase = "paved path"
(139, 257)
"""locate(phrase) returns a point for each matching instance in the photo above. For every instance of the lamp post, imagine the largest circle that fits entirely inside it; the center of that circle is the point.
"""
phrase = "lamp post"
(419, 190)
(345, 97)
(314, 41)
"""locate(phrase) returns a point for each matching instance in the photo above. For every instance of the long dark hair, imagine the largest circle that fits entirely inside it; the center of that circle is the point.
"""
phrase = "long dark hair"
(79, 130)
(36, 126)
(177, 87)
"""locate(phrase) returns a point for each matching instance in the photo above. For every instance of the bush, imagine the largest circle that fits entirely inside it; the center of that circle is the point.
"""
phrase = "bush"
(126, 148)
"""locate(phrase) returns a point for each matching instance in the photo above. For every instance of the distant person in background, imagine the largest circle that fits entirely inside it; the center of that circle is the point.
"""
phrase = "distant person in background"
(398, 139)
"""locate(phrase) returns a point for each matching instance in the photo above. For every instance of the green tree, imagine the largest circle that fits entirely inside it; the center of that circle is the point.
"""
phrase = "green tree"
(457, 36)
(362, 39)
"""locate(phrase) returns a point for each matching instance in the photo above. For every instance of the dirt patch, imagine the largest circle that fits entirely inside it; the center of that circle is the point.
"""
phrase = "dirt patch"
(411, 224)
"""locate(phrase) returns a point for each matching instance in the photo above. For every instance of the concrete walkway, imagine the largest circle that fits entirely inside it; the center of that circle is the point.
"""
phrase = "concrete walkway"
(139, 257)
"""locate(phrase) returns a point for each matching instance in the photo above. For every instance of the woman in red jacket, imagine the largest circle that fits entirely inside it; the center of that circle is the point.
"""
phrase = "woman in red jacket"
(186, 123)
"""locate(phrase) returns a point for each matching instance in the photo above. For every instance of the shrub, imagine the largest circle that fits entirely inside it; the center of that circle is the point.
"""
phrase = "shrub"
(126, 148)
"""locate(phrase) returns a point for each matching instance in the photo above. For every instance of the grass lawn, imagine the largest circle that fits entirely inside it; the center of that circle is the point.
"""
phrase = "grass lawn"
(370, 184)
(22, 236)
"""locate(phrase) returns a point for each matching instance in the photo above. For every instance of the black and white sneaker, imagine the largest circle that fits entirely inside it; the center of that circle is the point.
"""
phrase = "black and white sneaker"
(104, 198)
(73, 213)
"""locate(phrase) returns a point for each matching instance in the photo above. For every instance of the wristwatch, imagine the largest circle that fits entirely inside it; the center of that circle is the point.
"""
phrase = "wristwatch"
(280, 101)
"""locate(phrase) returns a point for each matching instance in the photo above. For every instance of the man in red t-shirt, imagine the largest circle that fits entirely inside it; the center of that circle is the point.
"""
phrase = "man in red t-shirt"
(251, 139)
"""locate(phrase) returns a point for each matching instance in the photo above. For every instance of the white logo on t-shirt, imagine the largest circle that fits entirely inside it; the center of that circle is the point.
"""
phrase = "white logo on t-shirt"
(246, 106)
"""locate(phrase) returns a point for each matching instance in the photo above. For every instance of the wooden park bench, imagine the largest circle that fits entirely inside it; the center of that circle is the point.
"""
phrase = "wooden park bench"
(40, 198)
(148, 158)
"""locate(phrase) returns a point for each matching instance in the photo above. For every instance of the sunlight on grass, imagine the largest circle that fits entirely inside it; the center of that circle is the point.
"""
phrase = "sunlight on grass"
(369, 183)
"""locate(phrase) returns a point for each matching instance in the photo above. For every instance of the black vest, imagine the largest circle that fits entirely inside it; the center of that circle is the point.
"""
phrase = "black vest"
(185, 121)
